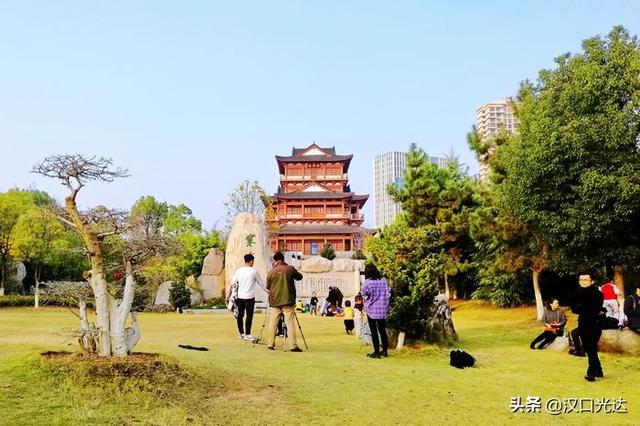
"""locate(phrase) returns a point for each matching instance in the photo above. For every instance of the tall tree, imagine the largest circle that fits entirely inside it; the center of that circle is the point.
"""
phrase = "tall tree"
(35, 237)
(13, 204)
(247, 197)
(74, 172)
(150, 213)
(573, 171)
(441, 198)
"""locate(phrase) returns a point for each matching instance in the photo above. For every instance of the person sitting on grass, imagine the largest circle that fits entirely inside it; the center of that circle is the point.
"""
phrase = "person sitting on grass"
(348, 317)
(299, 306)
(632, 310)
(554, 320)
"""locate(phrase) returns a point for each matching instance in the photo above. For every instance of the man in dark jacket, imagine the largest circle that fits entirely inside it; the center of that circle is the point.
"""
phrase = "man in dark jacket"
(588, 305)
(632, 310)
(282, 299)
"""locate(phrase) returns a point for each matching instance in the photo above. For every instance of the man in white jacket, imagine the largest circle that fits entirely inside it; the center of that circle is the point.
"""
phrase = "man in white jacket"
(246, 277)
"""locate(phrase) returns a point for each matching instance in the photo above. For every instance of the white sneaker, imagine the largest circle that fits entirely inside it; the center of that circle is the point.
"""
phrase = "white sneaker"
(241, 336)
(249, 337)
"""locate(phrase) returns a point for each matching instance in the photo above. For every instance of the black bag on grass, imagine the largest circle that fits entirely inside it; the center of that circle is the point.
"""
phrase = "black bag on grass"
(461, 359)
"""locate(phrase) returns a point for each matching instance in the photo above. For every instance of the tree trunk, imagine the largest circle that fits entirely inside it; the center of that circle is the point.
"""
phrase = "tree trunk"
(88, 336)
(2, 279)
(102, 300)
(618, 277)
(400, 343)
(446, 285)
(124, 339)
(36, 276)
(538, 295)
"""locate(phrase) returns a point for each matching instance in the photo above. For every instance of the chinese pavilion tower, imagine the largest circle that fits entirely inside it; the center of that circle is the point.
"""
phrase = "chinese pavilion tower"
(314, 204)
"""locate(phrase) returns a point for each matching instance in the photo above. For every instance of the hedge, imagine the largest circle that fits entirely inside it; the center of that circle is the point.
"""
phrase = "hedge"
(16, 300)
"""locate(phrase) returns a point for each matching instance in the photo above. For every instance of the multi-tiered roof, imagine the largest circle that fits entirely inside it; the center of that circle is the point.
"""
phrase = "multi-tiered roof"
(314, 203)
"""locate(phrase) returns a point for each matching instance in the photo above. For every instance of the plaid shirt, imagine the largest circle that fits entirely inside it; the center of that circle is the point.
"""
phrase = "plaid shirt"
(376, 298)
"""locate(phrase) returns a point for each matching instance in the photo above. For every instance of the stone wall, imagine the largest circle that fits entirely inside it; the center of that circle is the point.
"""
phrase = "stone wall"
(319, 274)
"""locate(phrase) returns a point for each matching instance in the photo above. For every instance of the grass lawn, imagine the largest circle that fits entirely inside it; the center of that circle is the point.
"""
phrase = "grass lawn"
(332, 383)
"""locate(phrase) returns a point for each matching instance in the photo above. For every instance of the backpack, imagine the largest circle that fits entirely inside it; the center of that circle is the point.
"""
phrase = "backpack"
(461, 359)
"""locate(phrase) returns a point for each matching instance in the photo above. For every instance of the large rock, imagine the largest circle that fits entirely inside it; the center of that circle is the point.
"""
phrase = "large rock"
(344, 265)
(560, 344)
(213, 262)
(212, 286)
(316, 264)
(617, 341)
(162, 294)
(248, 235)
(18, 271)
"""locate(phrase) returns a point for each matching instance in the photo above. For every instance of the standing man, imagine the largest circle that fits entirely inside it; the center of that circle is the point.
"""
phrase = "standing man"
(588, 305)
(246, 278)
(282, 298)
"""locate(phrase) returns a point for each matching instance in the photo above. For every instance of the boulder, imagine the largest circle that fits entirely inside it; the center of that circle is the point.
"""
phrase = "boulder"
(316, 264)
(344, 265)
(18, 272)
(162, 294)
(248, 235)
(560, 344)
(212, 286)
(213, 262)
(620, 341)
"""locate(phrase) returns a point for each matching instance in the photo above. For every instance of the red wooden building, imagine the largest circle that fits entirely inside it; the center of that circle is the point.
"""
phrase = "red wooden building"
(314, 204)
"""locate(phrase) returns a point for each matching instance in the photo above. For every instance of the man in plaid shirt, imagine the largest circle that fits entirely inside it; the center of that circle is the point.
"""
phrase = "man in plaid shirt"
(376, 292)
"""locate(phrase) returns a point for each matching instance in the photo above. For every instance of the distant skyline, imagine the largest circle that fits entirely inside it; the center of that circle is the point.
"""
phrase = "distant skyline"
(193, 98)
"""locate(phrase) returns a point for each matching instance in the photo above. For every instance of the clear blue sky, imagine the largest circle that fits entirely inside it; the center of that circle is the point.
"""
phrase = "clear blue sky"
(195, 96)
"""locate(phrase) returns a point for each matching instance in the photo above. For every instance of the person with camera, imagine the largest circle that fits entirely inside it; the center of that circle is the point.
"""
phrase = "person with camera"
(554, 320)
(282, 299)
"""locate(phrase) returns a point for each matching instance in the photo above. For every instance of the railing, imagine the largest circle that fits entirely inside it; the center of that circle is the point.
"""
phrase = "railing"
(342, 176)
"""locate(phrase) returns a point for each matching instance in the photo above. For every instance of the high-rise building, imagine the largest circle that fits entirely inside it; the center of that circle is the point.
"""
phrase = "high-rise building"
(389, 169)
(490, 119)
(314, 204)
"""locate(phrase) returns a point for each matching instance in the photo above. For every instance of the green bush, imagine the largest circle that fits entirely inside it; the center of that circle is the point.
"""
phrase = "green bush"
(16, 300)
(12, 286)
(328, 252)
(179, 295)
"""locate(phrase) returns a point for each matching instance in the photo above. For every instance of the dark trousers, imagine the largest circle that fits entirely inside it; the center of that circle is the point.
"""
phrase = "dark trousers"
(349, 325)
(379, 326)
(245, 305)
(577, 341)
(546, 337)
(590, 335)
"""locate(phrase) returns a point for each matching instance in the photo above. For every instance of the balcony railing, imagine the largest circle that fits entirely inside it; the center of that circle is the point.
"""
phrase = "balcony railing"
(340, 176)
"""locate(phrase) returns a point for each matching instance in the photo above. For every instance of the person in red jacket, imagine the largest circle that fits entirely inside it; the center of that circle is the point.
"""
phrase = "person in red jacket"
(610, 294)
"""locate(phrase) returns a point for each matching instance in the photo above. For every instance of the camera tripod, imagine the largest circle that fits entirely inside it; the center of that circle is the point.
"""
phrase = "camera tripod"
(284, 330)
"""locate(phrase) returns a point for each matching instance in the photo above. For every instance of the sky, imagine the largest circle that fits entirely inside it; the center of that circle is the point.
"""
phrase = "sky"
(194, 97)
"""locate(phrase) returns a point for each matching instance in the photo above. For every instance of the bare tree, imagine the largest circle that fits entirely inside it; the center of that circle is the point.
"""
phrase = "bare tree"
(75, 171)
(247, 197)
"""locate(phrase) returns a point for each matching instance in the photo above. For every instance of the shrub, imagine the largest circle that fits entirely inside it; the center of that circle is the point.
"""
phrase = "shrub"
(179, 295)
(358, 255)
(16, 300)
(328, 252)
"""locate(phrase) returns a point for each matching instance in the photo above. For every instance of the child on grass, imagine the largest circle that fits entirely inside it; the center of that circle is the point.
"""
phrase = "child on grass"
(348, 317)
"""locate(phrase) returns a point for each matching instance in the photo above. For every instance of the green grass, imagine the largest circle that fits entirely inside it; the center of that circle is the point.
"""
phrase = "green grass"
(333, 382)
